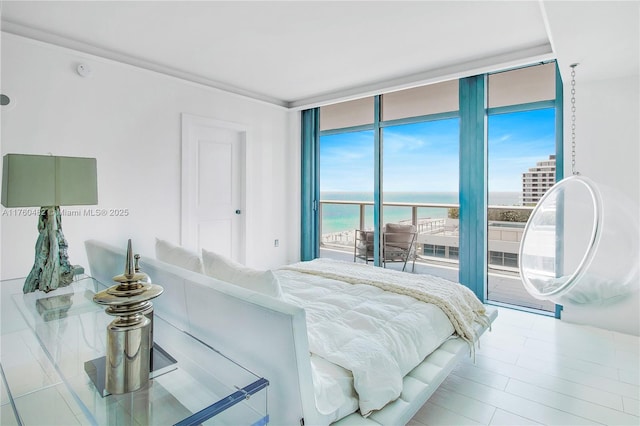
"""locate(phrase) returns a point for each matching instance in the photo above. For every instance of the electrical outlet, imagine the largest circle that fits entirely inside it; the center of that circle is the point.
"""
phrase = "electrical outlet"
(276, 243)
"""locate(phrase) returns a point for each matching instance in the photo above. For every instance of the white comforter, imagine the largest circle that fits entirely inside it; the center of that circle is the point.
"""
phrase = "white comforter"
(377, 335)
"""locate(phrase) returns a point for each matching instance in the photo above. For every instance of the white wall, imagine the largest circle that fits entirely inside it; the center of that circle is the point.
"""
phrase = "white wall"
(293, 161)
(608, 152)
(129, 119)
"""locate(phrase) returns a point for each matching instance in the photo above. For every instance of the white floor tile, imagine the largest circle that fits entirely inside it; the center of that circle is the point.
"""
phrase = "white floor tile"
(516, 318)
(4, 395)
(629, 376)
(503, 341)
(552, 381)
(7, 417)
(571, 405)
(465, 406)
(555, 361)
(45, 407)
(489, 378)
(593, 380)
(70, 400)
(27, 377)
(627, 360)
(514, 403)
(599, 352)
(497, 354)
(25, 364)
(631, 406)
(504, 418)
(434, 415)
(627, 343)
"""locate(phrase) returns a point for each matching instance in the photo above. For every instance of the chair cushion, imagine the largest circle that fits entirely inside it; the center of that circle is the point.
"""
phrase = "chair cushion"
(398, 227)
(398, 233)
(364, 235)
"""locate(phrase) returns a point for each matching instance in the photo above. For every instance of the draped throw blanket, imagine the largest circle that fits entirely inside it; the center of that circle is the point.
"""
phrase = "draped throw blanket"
(459, 303)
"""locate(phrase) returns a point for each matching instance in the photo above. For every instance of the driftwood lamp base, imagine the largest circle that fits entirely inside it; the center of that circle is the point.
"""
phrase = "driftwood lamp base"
(51, 268)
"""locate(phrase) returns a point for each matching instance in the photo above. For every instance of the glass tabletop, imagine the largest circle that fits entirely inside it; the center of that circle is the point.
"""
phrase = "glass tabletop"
(52, 342)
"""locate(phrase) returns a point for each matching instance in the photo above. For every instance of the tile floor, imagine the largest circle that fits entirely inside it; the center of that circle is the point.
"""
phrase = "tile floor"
(533, 369)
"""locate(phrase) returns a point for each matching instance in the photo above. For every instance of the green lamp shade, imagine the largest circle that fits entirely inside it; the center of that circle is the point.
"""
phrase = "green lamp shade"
(45, 180)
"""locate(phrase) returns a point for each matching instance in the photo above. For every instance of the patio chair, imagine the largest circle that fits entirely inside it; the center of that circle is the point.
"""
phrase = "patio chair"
(363, 246)
(398, 243)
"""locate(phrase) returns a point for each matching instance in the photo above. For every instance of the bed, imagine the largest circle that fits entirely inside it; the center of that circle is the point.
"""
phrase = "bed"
(341, 343)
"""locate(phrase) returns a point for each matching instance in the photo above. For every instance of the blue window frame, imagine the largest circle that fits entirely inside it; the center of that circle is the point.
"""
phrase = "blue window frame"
(473, 184)
(310, 196)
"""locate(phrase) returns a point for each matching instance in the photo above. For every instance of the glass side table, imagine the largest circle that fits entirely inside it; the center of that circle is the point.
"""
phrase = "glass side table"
(48, 343)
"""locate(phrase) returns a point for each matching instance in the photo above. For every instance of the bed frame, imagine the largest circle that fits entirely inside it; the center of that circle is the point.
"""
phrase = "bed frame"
(269, 337)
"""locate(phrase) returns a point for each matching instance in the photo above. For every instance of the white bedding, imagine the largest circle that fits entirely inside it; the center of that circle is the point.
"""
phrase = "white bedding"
(376, 336)
(333, 390)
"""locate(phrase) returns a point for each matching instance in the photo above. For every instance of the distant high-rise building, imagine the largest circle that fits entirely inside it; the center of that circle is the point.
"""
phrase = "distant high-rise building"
(537, 180)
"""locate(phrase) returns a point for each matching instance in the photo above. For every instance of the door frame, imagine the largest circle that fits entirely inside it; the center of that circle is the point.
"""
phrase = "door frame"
(189, 162)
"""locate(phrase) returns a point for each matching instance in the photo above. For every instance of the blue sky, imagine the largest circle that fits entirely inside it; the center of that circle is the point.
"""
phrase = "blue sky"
(423, 157)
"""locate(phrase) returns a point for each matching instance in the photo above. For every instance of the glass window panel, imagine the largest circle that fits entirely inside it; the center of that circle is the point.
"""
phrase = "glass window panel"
(422, 158)
(511, 260)
(418, 101)
(520, 148)
(394, 213)
(347, 114)
(346, 187)
(420, 169)
(495, 258)
(523, 85)
(454, 253)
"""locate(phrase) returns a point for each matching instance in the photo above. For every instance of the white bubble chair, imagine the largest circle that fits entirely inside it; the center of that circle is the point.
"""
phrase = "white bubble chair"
(580, 245)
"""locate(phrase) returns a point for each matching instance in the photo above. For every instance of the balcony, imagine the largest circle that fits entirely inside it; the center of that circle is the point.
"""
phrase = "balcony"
(438, 242)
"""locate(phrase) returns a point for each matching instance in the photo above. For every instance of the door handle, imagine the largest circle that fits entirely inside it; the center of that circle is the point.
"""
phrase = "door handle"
(238, 211)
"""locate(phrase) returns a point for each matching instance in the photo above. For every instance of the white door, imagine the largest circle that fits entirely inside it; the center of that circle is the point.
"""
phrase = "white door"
(213, 169)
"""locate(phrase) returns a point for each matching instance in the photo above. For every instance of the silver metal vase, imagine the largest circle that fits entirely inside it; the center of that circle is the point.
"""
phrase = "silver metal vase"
(129, 335)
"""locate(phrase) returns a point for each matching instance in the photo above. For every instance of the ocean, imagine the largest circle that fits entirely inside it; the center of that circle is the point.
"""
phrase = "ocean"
(338, 217)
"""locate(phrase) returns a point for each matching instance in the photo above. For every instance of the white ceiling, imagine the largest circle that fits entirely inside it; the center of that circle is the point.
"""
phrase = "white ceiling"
(296, 53)
(603, 37)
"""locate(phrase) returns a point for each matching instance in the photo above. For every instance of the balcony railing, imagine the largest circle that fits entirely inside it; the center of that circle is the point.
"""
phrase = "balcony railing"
(413, 206)
(438, 242)
(506, 224)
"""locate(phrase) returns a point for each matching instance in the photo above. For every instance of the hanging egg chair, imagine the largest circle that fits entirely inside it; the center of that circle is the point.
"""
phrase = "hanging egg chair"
(580, 245)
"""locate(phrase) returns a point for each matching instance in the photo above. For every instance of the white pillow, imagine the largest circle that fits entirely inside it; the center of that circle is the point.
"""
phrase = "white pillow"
(179, 256)
(224, 269)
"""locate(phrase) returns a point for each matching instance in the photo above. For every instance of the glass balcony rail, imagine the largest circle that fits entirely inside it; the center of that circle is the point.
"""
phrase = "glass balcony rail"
(437, 226)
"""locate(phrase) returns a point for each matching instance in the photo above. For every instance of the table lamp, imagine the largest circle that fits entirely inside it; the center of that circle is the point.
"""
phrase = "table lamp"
(49, 182)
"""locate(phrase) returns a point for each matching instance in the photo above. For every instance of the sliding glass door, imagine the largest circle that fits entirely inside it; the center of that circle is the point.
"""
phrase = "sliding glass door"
(521, 168)
(420, 153)
(346, 190)
(347, 175)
